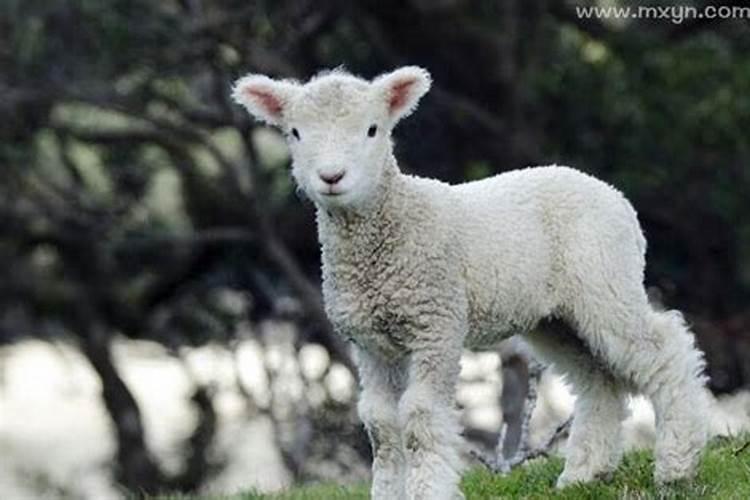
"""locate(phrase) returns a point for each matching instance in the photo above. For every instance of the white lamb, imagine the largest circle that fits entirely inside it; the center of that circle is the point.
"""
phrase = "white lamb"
(414, 269)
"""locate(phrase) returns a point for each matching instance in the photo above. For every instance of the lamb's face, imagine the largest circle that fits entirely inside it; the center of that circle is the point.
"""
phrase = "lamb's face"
(338, 127)
(339, 138)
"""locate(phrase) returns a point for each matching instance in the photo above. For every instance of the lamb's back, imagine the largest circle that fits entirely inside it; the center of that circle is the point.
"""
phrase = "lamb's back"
(516, 229)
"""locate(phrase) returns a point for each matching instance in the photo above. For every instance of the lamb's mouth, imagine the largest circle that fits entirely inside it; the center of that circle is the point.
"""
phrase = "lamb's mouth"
(332, 194)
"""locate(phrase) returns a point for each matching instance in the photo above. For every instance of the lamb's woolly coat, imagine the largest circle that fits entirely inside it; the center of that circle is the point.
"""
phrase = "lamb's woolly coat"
(496, 255)
(415, 269)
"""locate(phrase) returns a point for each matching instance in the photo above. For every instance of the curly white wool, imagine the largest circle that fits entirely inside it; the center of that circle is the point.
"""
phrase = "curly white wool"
(414, 269)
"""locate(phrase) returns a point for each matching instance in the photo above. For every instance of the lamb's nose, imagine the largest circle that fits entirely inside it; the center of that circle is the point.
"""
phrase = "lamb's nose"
(332, 178)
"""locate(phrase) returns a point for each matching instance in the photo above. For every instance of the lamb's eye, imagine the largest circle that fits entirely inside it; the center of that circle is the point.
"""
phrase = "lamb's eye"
(295, 133)
(372, 131)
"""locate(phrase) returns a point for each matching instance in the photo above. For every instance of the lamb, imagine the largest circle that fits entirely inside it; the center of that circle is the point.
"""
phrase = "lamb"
(414, 269)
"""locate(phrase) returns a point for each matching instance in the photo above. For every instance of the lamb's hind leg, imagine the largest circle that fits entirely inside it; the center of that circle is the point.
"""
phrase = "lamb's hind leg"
(681, 400)
(656, 352)
(653, 351)
(594, 447)
(382, 385)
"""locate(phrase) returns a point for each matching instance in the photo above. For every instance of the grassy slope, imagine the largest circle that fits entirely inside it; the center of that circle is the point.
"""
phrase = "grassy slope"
(722, 475)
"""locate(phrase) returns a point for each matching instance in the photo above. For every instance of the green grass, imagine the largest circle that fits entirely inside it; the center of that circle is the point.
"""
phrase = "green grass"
(724, 474)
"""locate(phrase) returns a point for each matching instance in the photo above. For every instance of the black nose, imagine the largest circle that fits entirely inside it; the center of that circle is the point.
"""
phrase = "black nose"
(332, 178)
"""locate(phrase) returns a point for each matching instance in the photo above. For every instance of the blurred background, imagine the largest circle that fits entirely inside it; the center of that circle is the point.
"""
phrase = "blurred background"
(160, 318)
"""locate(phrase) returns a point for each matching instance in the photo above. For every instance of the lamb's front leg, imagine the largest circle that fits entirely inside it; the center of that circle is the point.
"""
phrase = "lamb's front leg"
(382, 384)
(429, 422)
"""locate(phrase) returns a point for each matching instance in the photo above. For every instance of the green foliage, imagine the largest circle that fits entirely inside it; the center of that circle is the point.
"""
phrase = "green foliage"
(724, 474)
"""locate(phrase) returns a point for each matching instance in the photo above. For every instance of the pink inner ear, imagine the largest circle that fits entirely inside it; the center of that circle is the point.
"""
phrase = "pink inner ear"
(270, 102)
(399, 93)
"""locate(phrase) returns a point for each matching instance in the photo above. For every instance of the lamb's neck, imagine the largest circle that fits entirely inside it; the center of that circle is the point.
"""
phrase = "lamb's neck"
(347, 233)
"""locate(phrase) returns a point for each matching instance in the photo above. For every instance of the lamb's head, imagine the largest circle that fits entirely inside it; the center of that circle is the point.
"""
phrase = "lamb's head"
(338, 127)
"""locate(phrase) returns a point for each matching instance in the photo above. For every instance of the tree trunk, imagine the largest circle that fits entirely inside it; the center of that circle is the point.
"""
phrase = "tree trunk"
(135, 468)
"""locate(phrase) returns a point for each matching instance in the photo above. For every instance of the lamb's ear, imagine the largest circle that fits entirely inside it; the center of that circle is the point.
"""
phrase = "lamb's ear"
(402, 89)
(264, 98)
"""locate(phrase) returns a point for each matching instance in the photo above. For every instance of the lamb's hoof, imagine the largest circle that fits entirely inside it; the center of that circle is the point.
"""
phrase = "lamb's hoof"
(563, 482)
(679, 468)
(606, 476)
(668, 476)
(567, 478)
